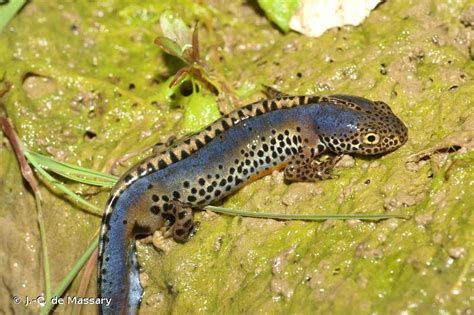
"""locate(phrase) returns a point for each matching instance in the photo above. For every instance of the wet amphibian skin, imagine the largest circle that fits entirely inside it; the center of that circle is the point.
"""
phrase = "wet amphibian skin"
(286, 133)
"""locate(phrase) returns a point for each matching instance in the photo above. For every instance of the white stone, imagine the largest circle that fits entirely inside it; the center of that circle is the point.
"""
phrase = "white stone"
(314, 17)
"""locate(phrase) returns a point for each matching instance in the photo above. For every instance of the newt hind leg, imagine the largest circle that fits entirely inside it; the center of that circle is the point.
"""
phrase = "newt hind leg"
(180, 217)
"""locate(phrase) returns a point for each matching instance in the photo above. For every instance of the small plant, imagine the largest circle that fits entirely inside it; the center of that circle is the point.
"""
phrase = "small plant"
(178, 41)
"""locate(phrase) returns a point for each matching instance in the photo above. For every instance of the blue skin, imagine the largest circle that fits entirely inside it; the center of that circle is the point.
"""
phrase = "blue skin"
(121, 282)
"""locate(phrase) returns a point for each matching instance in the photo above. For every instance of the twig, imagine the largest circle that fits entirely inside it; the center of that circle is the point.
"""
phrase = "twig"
(28, 175)
(85, 280)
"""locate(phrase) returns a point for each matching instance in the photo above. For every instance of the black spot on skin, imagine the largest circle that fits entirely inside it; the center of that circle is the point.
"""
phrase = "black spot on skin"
(225, 125)
(155, 210)
(265, 147)
(223, 182)
(181, 215)
(180, 232)
(207, 139)
(186, 184)
(198, 143)
(150, 186)
(191, 198)
(273, 105)
(150, 167)
(193, 190)
(176, 195)
(210, 189)
(320, 147)
(221, 166)
(128, 178)
(280, 137)
(217, 193)
(173, 157)
(165, 198)
(201, 181)
(184, 154)
(124, 222)
(167, 207)
(188, 223)
(229, 178)
(241, 114)
(162, 164)
(155, 198)
(202, 192)
(231, 170)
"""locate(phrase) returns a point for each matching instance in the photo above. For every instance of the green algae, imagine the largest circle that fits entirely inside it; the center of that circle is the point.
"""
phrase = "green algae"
(103, 93)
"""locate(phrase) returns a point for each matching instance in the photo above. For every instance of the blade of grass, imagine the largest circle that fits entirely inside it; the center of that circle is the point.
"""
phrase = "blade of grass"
(66, 282)
(73, 172)
(307, 217)
(88, 206)
(8, 11)
(64, 169)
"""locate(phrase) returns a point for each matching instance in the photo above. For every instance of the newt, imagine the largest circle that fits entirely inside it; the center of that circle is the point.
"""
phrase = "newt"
(286, 132)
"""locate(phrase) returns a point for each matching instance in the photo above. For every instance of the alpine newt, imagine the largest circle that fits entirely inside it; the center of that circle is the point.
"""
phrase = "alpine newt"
(287, 132)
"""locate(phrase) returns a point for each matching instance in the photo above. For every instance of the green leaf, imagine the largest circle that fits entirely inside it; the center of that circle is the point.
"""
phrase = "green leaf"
(169, 46)
(8, 10)
(279, 11)
(176, 30)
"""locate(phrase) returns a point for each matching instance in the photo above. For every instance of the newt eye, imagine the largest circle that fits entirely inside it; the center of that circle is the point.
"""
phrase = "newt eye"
(371, 138)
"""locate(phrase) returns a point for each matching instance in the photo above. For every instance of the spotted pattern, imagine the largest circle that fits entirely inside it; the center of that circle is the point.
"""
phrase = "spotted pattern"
(372, 128)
